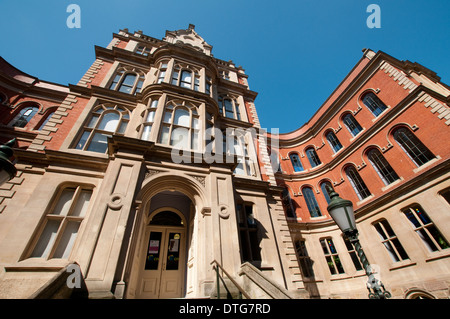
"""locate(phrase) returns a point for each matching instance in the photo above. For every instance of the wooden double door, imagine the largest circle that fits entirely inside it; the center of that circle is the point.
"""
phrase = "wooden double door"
(163, 270)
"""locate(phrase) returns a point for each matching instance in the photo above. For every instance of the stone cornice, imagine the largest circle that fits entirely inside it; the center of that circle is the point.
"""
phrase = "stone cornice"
(122, 55)
(183, 93)
(67, 160)
(150, 151)
(141, 38)
(105, 94)
(253, 184)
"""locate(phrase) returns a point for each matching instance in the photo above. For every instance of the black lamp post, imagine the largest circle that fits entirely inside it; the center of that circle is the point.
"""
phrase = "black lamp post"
(341, 210)
(7, 168)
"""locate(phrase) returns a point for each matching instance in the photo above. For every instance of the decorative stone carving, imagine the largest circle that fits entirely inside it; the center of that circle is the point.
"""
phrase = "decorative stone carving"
(115, 201)
(224, 212)
(200, 179)
(151, 172)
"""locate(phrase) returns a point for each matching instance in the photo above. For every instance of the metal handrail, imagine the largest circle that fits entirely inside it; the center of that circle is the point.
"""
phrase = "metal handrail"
(216, 267)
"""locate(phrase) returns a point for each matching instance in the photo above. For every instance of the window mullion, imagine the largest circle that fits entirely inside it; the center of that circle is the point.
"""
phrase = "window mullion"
(390, 240)
(75, 197)
(438, 246)
(59, 233)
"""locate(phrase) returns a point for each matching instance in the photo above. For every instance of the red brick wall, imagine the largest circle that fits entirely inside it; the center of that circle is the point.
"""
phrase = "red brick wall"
(432, 131)
(65, 127)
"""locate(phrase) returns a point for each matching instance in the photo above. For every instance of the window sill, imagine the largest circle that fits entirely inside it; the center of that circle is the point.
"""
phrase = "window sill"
(313, 168)
(402, 264)
(340, 277)
(388, 107)
(358, 273)
(401, 179)
(365, 200)
(319, 217)
(357, 135)
(439, 255)
(336, 153)
(38, 264)
(427, 164)
(85, 152)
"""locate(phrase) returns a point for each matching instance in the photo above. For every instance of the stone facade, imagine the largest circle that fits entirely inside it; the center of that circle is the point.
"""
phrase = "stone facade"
(102, 181)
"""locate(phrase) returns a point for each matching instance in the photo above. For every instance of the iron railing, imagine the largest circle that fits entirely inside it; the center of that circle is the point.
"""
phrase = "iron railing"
(219, 278)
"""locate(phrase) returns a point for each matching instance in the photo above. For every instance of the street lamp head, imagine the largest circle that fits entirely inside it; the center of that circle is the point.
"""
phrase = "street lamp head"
(7, 168)
(341, 210)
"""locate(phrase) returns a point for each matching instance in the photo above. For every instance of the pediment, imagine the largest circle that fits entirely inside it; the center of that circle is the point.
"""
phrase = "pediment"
(188, 38)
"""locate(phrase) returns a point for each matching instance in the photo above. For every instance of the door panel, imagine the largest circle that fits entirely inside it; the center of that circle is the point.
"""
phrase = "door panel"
(163, 269)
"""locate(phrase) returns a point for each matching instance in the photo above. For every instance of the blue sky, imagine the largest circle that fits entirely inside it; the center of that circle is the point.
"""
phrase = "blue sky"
(295, 52)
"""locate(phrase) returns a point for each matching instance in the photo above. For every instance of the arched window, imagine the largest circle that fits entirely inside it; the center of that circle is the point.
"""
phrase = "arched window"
(49, 116)
(62, 223)
(390, 241)
(311, 202)
(357, 183)
(331, 255)
(324, 187)
(351, 124)
(230, 108)
(105, 121)
(24, 116)
(373, 103)
(415, 149)
(333, 141)
(180, 127)
(296, 164)
(312, 157)
(381, 166)
(185, 78)
(425, 228)
(129, 83)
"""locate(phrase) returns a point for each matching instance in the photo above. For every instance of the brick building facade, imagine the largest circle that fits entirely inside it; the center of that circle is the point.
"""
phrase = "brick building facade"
(153, 171)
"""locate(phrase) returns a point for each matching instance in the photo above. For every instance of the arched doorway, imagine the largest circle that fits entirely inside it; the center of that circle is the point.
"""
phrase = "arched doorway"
(184, 196)
(163, 256)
